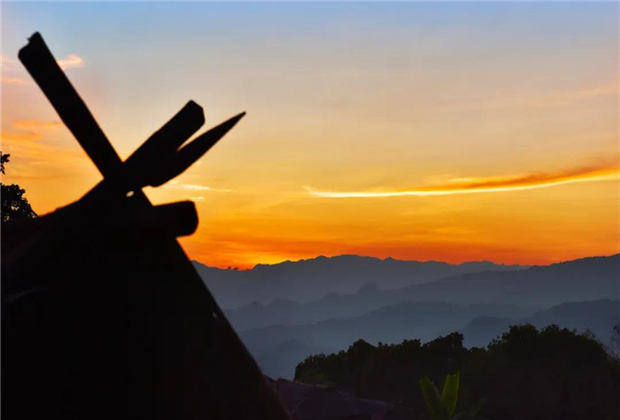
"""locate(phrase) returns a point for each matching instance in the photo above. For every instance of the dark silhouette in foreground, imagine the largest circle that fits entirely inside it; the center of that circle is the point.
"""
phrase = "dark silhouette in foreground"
(14, 205)
(526, 373)
(141, 337)
(279, 348)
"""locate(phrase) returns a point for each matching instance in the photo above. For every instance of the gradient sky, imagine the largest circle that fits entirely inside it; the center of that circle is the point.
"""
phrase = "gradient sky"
(426, 131)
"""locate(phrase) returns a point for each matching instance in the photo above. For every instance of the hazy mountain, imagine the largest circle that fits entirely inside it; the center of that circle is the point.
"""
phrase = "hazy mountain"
(423, 320)
(287, 312)
(598, 316)
(279, 360)
(275, 347)
(311, 279)
(331, 306)
(579, 280)
(541, 287)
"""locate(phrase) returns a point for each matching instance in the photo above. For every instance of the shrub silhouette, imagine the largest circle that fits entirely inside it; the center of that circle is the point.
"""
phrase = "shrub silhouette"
(14, 205)
(525, 373)
(441, 406)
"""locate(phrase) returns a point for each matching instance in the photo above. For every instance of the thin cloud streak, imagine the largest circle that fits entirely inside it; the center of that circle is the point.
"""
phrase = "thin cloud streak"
(27, 139)
(570, 98)
(71, 61)
(36, 124)
(559, 99)
(192, 187)
(488, 185)
(5, 61)
(14, 81)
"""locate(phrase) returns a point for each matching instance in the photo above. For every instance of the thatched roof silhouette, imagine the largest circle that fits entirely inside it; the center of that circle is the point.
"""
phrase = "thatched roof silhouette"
(318, 402)
(103, 315)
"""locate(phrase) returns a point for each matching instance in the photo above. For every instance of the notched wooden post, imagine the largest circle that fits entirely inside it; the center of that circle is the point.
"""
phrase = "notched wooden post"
(104, 317)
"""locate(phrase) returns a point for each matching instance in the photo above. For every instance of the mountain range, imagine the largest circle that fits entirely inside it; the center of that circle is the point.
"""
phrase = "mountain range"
(281, 332)
(535, 287)
(279, 348)
(598, 317)
(311, 279)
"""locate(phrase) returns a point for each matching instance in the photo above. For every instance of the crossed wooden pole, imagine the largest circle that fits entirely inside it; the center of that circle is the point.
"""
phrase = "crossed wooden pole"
(154, 163)
(197, 366)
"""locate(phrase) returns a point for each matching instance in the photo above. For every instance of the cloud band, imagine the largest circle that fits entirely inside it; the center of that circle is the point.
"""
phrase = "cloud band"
(521, 182)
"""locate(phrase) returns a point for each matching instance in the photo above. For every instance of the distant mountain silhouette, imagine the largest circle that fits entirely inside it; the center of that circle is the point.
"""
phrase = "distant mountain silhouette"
(390, 324)
(535, 287)
(579, 280)
(479, 324)
(311, 279)
(279, 360)
(599, 317)
(481, 305)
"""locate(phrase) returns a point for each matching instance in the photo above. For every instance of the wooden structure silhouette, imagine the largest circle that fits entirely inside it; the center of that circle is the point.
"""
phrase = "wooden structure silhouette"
(103, 315)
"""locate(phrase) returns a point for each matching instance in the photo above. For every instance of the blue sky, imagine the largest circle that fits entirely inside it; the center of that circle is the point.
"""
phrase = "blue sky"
(345, 97)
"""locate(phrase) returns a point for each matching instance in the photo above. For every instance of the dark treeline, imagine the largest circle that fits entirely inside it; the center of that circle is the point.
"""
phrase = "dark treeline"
(15, 206)
(526, 373)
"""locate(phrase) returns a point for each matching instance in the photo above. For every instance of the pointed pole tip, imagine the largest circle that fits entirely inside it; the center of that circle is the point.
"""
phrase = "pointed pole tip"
(232, 121)
(194, 106)
(34, 36)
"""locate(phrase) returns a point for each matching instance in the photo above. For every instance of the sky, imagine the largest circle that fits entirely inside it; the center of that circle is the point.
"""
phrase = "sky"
(420, 131)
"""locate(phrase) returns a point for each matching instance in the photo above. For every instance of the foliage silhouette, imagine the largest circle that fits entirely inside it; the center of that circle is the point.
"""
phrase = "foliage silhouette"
(441, 406)
(614, 343)
(524, 373)
(14, 205)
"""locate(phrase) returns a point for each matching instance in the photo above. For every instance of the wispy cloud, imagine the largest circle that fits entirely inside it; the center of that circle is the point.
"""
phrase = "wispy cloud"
(5, 60)
(70, 61)
(569, 98)
(10, 65)
(38, 153)
(36, 124)
(476, 185)
(193, 187)
(558, 99)
(14, 81)
(27, 139)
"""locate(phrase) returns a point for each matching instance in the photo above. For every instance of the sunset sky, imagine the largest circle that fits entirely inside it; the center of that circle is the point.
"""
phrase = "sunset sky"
(421, 131)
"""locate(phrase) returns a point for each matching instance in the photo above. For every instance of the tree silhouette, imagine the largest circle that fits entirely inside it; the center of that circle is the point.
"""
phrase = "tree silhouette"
(14, 205)
(614, 342)
(526, 373)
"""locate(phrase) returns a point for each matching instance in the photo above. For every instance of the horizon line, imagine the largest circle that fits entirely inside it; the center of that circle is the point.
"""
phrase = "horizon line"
(234, 268)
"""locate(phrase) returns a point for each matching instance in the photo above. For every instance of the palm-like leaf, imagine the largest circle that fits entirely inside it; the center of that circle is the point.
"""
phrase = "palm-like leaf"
(450, 393)
(433, 400)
